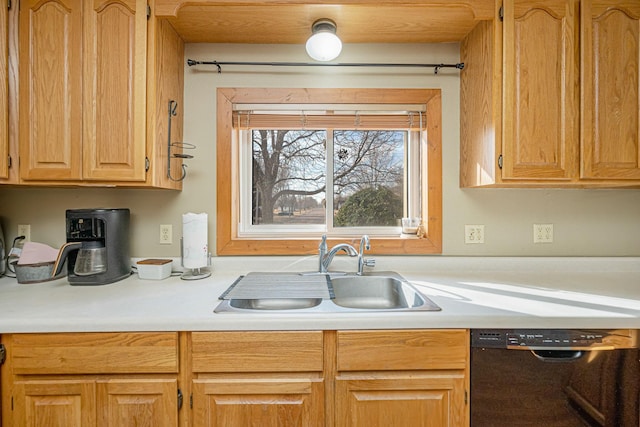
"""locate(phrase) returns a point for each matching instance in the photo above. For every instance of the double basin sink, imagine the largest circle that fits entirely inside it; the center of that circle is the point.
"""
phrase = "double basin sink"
(379, 292)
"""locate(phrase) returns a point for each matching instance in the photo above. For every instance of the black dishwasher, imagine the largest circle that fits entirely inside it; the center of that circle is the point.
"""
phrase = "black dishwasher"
(554, 378)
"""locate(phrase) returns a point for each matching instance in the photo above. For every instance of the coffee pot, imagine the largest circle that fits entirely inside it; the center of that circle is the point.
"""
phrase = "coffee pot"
(103, 254)
(91, 259)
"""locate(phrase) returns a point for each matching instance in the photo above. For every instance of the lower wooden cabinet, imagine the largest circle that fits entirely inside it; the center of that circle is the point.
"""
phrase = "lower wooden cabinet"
(91, 379)
(331, 378)
(227, 379)
(402, 378)
(266, 379)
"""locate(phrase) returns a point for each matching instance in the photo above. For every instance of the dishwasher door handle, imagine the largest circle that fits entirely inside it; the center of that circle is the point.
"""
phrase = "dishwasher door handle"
(558, 355)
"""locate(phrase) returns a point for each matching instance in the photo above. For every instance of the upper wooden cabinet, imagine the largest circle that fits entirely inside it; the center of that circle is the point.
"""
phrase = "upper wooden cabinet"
(539, 112)
(82, 90)
(91, 379)
(610, 43)
(522, 105)
(114, 90)
(94, 85)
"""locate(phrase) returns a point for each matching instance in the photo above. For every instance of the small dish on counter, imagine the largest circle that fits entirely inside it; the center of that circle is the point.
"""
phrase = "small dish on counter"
(154, 269)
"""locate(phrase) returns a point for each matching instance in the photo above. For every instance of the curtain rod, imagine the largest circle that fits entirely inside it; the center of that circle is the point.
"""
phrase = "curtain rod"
(436, 67)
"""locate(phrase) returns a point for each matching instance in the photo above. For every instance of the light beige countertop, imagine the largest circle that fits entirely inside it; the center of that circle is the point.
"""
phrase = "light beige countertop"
(473, 292)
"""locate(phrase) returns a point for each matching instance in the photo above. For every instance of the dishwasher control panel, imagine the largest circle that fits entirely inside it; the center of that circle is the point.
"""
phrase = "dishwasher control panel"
(553, 338)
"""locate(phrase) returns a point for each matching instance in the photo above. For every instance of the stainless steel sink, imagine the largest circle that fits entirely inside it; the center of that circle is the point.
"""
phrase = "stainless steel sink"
(275, 303)
(377, 292)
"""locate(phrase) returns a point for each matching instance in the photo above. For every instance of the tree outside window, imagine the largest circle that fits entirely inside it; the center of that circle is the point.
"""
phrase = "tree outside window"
(289, 177)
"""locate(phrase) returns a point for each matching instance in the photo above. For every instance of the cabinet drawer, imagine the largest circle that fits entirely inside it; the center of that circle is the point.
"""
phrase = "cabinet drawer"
(94, 353)
(286, 351)
(402, 350)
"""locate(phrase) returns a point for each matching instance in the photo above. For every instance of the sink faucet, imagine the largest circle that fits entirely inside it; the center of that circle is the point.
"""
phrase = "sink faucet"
(325, 257)
(362, 262)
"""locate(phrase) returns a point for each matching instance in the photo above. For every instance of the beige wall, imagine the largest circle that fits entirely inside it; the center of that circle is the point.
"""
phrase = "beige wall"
(586, 222)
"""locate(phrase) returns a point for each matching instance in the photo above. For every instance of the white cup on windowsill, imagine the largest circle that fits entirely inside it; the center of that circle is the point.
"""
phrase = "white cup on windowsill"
(410, 225)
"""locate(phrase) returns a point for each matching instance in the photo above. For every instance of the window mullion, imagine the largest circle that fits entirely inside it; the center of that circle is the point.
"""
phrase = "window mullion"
(329, 181)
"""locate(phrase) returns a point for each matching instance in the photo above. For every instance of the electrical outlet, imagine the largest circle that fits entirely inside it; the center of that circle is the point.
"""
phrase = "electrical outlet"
(166, 234)
(25, 230)
(542, 233)
(474, 233)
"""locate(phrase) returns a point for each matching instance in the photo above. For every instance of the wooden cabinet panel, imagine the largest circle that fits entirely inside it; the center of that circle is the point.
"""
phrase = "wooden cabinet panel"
(83, 402)
(137, 402)
(264, 402)
(417, 399)
(540, 106)
(610, 36)
(4, 91)
(480, 105)
(403, 349)
(98, 353)
(54, 403)
(288, 351)
(165, 83)
(50, 119)
(114, 90)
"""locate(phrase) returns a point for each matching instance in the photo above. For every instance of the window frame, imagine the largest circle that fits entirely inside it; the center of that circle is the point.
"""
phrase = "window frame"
(227, 171)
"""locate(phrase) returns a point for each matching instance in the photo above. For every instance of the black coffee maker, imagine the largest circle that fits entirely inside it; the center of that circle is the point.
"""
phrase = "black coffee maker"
(102, 255)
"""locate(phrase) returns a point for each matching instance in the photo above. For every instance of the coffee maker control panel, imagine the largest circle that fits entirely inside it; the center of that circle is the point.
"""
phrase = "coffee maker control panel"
(85, 228)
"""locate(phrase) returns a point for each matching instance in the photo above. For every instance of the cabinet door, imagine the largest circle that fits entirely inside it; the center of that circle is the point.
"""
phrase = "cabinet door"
(54, 403)
(540, 105)
(137, 402)
(402, 399)
(50, 62)
(4, 92)
(610, 36)
(114, 92)
(266, 401)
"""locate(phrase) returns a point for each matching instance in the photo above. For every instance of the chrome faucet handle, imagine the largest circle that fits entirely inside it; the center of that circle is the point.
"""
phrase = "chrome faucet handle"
(322, 253)
(362, 262)
(323, 243)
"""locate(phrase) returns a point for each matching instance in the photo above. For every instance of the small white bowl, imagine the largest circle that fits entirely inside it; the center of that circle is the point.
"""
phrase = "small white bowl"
(154, 269)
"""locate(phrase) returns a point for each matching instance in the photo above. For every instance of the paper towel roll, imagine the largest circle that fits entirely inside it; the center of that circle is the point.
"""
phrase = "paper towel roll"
(195, 248)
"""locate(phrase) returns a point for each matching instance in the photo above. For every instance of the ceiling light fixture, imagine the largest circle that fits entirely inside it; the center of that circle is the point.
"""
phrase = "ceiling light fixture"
(324, 45)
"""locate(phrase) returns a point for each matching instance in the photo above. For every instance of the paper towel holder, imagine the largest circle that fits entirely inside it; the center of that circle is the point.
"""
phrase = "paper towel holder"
(194, 273)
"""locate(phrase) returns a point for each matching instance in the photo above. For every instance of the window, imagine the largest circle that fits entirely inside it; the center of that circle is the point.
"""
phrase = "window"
(297, 163)
(344, 176)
